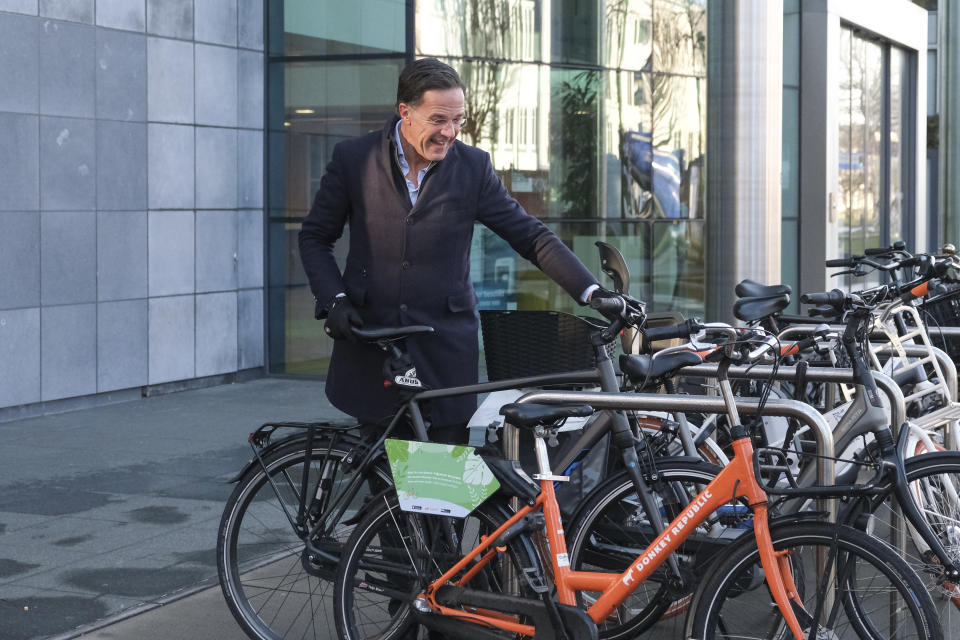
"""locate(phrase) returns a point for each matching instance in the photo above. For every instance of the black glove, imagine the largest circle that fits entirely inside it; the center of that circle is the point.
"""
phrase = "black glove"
(341, 317)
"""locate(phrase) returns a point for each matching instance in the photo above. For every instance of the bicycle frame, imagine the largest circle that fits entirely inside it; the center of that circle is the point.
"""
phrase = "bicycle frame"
(737, 480)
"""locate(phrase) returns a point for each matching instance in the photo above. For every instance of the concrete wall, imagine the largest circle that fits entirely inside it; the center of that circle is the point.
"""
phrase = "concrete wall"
(131, 194)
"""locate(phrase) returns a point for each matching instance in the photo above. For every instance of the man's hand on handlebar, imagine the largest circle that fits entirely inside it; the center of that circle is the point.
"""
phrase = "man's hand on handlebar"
(341, 318)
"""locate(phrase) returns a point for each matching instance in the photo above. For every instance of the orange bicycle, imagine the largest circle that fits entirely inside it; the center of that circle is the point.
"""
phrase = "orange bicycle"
(503, 574)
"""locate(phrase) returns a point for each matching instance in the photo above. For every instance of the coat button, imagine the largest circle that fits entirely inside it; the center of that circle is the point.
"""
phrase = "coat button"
(403, 307)
(405, 265)
(409, 220)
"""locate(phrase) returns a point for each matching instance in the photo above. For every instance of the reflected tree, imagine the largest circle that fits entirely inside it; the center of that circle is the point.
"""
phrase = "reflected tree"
(575, 136)
(485, 39)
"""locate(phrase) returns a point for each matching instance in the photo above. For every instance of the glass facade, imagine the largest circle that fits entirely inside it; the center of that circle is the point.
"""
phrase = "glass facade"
(874, 145)
(593, 112)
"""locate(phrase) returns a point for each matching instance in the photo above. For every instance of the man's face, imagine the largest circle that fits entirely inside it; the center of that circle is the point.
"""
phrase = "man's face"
(431, 127)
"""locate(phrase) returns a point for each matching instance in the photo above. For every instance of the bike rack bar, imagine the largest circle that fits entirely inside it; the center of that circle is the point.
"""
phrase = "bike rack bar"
(708, 404)
(946, 364)
(914, 351)
(898, 411)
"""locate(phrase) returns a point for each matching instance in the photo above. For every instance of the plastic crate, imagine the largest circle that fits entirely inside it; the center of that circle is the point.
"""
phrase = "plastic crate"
(518, 344)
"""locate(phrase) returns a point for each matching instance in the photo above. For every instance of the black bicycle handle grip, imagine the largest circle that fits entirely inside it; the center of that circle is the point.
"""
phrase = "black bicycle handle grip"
(682, 330)
(832, 298)
(877, 251)
(841, 262)
(613, 304)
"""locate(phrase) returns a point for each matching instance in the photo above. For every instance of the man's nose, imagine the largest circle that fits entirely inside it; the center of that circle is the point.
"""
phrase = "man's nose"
(449, 129)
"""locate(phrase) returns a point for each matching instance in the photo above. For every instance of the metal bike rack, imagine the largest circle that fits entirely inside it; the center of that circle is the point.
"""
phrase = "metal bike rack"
(898, 411)
(948, 366)
(702, 404)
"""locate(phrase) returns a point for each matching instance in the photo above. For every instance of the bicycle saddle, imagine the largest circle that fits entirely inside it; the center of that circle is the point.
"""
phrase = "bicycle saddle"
(752, 289)
(750, 309)
(530, 414)
(642, 367)
(390, 333)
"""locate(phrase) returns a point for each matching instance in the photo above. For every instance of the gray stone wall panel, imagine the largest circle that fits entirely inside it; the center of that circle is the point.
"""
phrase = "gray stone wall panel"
(19, 356)
(19, 260)
(170, 82)
(170, 251)
(250, 96)
(72, 10)
(250, 248)
(216, 168)
(122, 14)
(121, 255)
(170, 166)
(250, 24)
(216, 250)
(67, 69)
(216, 333)
(68, 351)
(171, 339)
(122, 340)
(121, 165)
(19, 147)
(250, 328)
(215, 21)
(68, 257)
(121, 75)
(28, 7)
(250, 169)
(216, 85)
(68, 164)
(19, 64)
(173, 18)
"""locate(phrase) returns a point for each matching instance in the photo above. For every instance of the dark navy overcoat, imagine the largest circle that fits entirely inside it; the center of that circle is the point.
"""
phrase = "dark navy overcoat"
(411, 264)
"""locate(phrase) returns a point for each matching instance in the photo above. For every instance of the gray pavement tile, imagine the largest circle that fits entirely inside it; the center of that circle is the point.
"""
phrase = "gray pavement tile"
(202, 615)
(28, 613)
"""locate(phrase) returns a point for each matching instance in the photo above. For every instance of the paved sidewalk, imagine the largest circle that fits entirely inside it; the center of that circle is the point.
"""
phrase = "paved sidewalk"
(113, 510)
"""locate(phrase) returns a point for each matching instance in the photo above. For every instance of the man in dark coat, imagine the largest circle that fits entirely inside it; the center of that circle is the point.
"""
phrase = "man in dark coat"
(411, 194)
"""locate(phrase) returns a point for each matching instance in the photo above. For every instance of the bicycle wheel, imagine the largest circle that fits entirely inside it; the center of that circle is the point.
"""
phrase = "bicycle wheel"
(935, 485)
(393, 555)
(848, 584)
(611, 530)
(273, 587)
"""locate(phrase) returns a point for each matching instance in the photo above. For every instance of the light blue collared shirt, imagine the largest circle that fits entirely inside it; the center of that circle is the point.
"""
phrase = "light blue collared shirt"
(412, 189)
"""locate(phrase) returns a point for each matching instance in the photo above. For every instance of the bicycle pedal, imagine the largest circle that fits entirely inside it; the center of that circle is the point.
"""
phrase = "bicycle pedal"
(536, 581)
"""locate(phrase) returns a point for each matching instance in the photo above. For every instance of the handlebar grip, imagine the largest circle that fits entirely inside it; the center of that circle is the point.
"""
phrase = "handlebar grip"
(877, 251)
(841, 262)
(612, 304)
(920, 290)
(833, 298)
(682, 330)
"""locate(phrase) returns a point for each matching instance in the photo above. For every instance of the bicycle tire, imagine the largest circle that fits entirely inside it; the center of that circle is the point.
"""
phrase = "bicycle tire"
(392, 555)
(610, 531)
(875, 594)
(935, 482)
(262, 563)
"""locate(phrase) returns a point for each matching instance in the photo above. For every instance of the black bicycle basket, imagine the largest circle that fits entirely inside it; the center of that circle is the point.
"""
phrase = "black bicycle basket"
(518, 344)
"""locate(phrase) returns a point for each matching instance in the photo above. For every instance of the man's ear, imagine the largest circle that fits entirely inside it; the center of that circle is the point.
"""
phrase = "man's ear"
(404, 110)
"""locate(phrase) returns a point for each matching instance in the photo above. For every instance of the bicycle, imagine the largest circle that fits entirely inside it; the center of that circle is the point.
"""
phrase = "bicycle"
(403, 560)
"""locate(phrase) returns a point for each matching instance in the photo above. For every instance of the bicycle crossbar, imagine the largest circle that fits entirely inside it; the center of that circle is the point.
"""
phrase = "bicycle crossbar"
(709, 404)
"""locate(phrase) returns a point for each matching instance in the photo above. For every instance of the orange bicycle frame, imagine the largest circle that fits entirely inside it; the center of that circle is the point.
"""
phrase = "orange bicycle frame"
(736, 480)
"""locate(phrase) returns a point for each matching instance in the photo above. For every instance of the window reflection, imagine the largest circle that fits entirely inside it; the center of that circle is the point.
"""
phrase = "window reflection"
(593, 114)
(680, 36)
(628, 34)
(311, 28)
